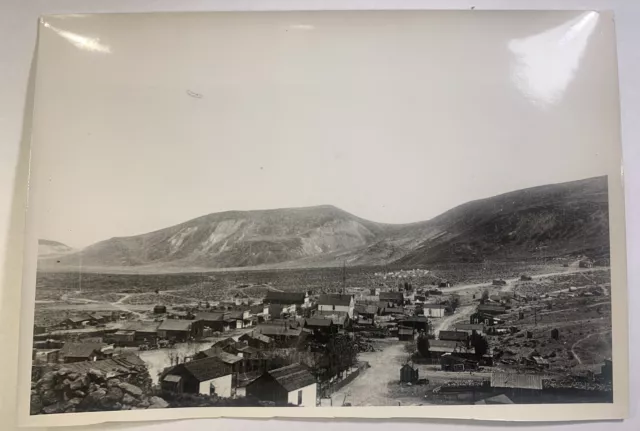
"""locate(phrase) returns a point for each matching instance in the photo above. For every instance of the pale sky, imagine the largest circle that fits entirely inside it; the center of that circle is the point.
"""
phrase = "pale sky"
(145, 122)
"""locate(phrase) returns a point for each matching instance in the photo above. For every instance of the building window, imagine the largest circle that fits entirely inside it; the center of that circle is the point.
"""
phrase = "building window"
(334, 308)
(299, 397)
(212, 389)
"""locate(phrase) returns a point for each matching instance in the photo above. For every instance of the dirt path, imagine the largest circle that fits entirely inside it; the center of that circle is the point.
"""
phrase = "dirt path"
(449, 321)
(573, 351)
(371, 388)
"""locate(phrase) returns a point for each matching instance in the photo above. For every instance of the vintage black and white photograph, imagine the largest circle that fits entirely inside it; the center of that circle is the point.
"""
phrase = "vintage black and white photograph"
(324, 209)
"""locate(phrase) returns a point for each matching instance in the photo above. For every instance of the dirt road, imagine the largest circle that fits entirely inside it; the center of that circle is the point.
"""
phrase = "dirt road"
(575, 355)
(371, 387)
(447, 322)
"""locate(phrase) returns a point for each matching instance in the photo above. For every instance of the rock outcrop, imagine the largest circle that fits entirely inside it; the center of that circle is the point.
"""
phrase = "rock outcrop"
(64, 391)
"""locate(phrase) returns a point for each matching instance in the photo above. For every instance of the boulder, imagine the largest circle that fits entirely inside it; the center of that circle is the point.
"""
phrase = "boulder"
(114, 394)
(53, 408)
(73, 376)
(131, 389)
(95, 375)
(157, 403)
(113, 382)
(36, 405)
(144, 403)
(70, 406)
(76, 385)
(96, 395)
(79, 394)
(127, 399)
(49, 397)
(64, 371)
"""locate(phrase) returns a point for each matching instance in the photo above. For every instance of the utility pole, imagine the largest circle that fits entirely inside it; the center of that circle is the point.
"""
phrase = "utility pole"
(344, 276)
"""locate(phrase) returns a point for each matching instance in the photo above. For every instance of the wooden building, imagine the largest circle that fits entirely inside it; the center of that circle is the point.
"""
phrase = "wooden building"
(177, 330)
(292, 384)
(206, 376)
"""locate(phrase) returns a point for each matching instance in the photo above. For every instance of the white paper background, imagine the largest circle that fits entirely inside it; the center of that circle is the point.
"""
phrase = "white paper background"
(17, 40)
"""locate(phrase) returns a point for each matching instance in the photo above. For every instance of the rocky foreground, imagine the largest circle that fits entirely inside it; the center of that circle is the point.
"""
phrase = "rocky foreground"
(65, 391)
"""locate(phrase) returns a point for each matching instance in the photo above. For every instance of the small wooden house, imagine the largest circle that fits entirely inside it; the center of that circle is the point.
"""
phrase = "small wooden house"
(408, 374)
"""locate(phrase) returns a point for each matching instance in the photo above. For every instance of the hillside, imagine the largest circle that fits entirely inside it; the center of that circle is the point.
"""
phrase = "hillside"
(553, 220)
(52, 248)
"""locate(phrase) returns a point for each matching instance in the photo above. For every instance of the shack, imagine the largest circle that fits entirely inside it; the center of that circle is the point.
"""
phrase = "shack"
(491, 309)
(292, 384)
(81, 352)
(392, 299)
(208, 376)
(173, 329)
(406, 333)
(499, 283)
(160, 309)
(408, 374)
(459, 336)
(434, 310)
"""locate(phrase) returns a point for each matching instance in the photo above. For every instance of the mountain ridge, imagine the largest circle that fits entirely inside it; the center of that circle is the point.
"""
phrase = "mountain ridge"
(564, 218)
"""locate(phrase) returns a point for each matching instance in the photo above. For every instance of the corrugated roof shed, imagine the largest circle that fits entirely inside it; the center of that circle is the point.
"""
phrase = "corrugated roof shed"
(141, 326)
(293, 377)
(175, 325)
(207, 368)
(124, 364)
(470, 327)
(318, 322)
(453, 335)
(81, 350)
(335, 299)
(210, 317)
(516, 380)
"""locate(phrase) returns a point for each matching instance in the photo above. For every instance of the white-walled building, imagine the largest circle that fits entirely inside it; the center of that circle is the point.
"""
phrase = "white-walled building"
(206, 376)
(292, 384)
(433, 310)
(337, 302)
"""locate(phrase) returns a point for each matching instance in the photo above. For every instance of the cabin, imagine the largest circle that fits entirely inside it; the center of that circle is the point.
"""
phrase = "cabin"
(419, 323)
(406, 333)
(337, 302)
(123, 338)
(434, 310)
(241, 319)
(160, 309)
(283, 334)
(81, 352)
(296, 299)
(208, 376)
(367, 311)
(585, 263)
(408, 374)
(438, 348)
(392, 299)
(257, 341)
(459, 336)
(453, 362)
(499, 283)
(388, 311)
(46, 356)
(144, 331)
(484, 319)
(444, 284)
(260, 311)
(517, 383)
(470, 328)
(340, 319)
(176, 330)
(217, 321)
(525, 277)
(491, 309)
(76, 322)
(320, 326)
(292, 384)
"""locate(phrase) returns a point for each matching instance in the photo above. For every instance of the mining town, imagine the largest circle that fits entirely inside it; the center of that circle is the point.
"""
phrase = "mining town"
(373, 336)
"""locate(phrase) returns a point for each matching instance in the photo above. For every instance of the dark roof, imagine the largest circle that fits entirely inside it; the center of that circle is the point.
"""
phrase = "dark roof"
(257, 309)
(470, 327)
(225, 342)
(275, 309)
(210, 317)
(391, 296)
(284, 297)
(124, 364)
(453, 335)
(442, 345)
(366, 309)
(314, 321)
(293, 377)
(364, 321)
(171, 378)
(273, 330)
(415, 319)
(405, 331)
(248, 349)
(207, 368)
(258, 337)
(175, 325)
(81, 350)
(393, 310)
(516, 380)
(141, 326)
(491, 307)
(335, 299)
